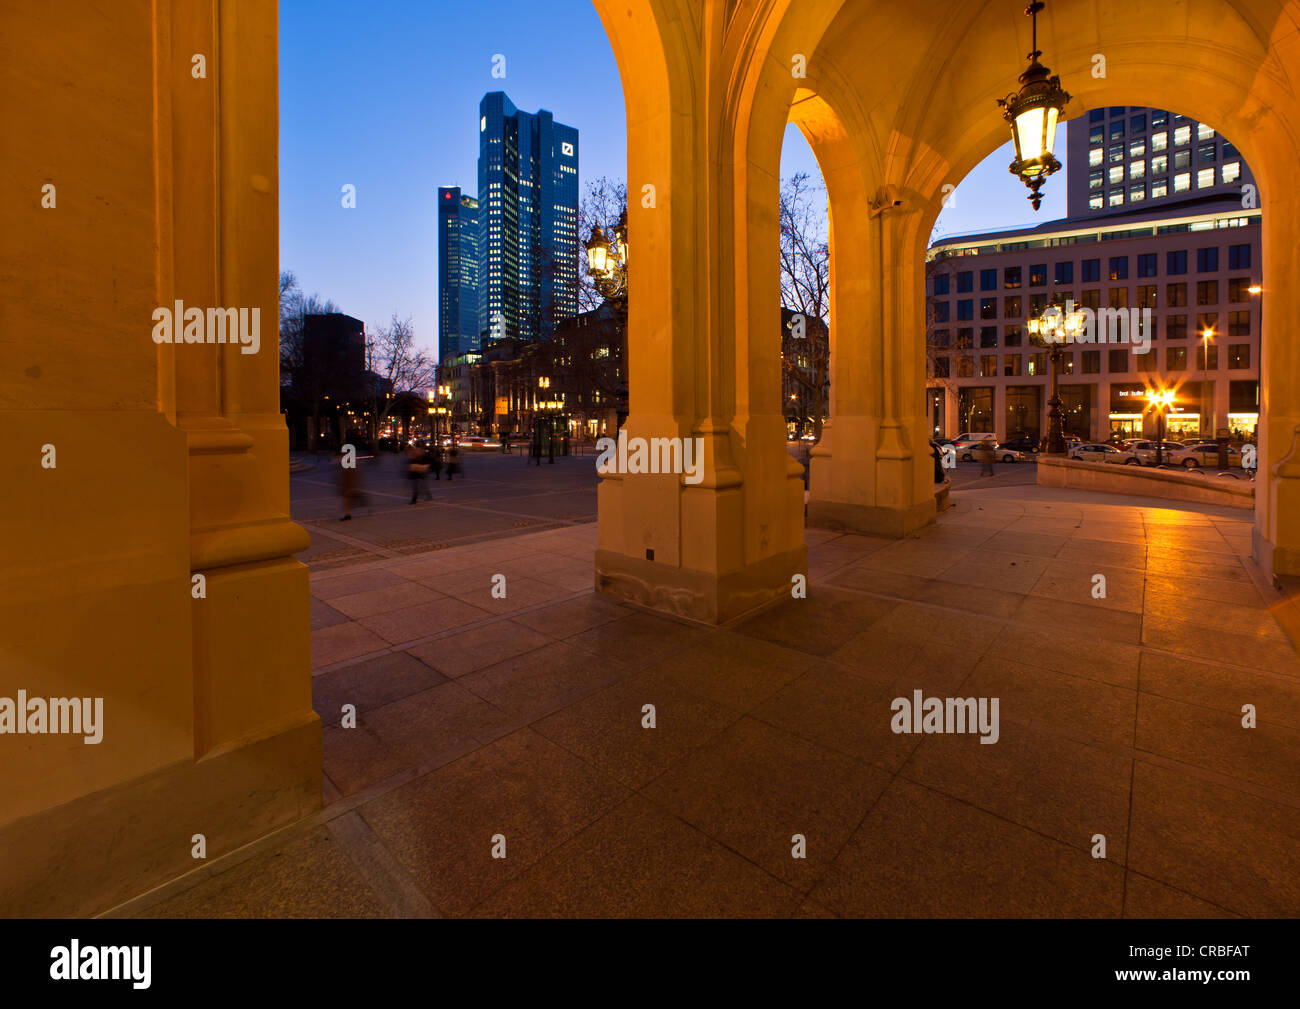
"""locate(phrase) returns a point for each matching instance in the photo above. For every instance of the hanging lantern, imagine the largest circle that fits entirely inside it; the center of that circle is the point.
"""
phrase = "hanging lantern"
(1034, 112)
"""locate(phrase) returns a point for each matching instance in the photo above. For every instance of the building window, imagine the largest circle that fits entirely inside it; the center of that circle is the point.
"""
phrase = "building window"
(1175, 358)
(1205, 154)
(1239, 355)
(1011, 336)
(1096, 115)
(988, 336)
(988, 308)
(1096, 202)
(1238, 257)
(1175, 327)
(1067, 364)
(1138, 123)
(1137, 193)
(1118, 267)
(1203, 132)
(1239, 324)
(1176, 262)
(1038, 275)
(1137, 169)
(1092, 362)
(1231, 171)
(941, 311)
(1205, 178)
(941, 367)
(1147, 361)
(1091, 270)
(1207, 260)
(1117, 362)
(1115, 174)
(1182, 159)
(965, 282)
(1037, 364)
(1094, 180)
(1011, 277)
(1065, 273)
(1239, 290)
(1207, 322)
(1147, 264)
(1159, 117)
(1037, 304)
(965, 338)
(1117, 129)
(1137, 148)
(988, 366)
(965, 366)
(1115, 198)
(1115, 153)
(1182, 135)
(1146, 296)
(1096, 135)
(965, 310)
(1207, 292)
(1011, 306)
(1117, 297)
(940, 283)
(1095, 157)
(1159, 188)
(1207, 356)
(1090, 299)
(1159, 141)
(1011, 365)
(1160, 164)
(1182, 182)
(988, 280)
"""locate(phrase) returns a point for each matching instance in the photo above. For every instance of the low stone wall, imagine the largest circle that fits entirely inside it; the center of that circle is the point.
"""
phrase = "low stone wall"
(1113, 478)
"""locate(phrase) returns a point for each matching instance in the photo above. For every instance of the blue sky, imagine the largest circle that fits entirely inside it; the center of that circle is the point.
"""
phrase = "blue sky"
(384, 96)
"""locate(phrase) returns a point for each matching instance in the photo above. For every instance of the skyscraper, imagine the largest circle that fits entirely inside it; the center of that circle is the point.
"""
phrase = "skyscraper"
(1127, 158)
(528, 199)
(458, 272)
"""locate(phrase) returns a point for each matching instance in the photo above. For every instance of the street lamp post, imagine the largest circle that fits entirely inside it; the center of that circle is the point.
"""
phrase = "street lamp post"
(1160, 400)
(1053, 328)
(607, 258)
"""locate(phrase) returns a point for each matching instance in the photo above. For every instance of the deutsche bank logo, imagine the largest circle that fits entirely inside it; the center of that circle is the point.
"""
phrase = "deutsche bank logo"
(566, 149)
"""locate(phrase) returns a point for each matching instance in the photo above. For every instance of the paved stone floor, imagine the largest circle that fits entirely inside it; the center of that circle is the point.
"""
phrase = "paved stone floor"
(523, 717)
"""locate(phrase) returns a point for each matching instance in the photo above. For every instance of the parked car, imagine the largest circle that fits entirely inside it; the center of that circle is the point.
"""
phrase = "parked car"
(1017, 450)
(1094, 452)
(966, 449)
(1204, 453)
(1140, 452)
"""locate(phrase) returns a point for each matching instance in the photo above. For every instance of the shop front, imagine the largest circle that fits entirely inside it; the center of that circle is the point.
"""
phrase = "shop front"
(975, 408)
(1024, 411)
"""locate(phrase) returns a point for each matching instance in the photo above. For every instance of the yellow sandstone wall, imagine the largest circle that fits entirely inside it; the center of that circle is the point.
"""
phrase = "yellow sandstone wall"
(168, 460)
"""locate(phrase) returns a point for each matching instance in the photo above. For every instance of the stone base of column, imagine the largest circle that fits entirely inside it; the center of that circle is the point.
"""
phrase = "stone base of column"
(699, 595)
(871, 520)
(102, 849)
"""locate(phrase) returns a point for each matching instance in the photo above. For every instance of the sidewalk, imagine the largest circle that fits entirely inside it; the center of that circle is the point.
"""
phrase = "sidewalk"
(523, 717)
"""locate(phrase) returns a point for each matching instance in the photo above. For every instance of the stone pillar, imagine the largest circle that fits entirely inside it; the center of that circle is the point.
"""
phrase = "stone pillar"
(170, 461)
(703, 338)
(872, 471)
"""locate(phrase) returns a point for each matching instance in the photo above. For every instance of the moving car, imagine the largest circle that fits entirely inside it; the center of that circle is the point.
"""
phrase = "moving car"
(1140, 452)
(1094, 452)
(966, 444)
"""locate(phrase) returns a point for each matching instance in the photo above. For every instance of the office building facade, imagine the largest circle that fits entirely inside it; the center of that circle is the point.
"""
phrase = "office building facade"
(528, 213)
(1181, 270)
(458, 272)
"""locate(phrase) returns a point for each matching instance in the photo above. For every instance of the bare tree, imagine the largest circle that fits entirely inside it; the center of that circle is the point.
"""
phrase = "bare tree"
(396, 366)
(604, 202)
(805, 289)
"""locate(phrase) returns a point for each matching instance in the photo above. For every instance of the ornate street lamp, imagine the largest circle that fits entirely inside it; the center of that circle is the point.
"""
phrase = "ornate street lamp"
(1033, 113)
(1053, 328)
(1160, 400)
(607, 257)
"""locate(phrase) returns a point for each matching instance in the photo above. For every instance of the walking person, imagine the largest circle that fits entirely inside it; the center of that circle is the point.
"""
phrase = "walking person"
(417, 469)
(349, 485)
(453, 459)
(985, 454)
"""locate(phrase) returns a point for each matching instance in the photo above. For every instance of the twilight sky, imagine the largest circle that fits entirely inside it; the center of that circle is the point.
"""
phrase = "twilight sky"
(385, 96)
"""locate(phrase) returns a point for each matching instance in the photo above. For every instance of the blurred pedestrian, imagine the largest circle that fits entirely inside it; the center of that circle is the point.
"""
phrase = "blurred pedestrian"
(984, 455)
(349, 483)
(417, 469)
(453, 459)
